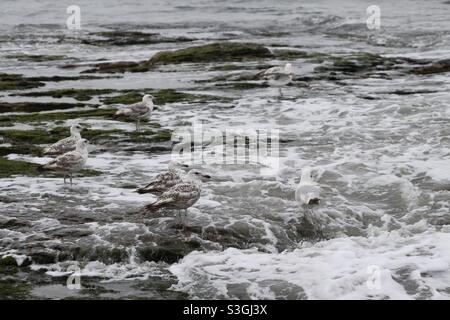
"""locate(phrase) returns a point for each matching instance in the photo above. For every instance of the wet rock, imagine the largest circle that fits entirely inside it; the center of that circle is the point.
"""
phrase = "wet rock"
(8, 261)
(5, 199)
(11, 289)
(290, 54)
(168, 250)
(36, 57)
(13, 167)
(17, 82)
(121, 66)
(127, 38)
(56, 116)
(36, 106)
(70, 232)
(43, 256)
(11, 222)
(215, 52)
(103, 254)
(10, 168)
(442, 66)
(162, 97)
(77, 94)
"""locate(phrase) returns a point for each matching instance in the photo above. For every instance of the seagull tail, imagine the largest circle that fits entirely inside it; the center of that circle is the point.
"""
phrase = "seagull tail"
(49, 152)
(152, 207)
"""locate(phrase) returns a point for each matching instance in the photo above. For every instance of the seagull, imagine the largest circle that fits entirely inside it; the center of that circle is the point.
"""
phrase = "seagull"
(278, 76)
(66, 144)
(137, 111)
(69, 162)
(307, 192)
(182, 195)
(165, 180)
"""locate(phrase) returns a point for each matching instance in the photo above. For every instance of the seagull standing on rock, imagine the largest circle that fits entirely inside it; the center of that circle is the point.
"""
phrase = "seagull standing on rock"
(70, 162)
(278, 76)
(165, 180)
(137, 111)
(66, 144)
(182, 195)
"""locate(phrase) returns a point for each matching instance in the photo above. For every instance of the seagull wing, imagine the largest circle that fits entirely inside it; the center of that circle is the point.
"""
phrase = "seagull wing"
(62, 146)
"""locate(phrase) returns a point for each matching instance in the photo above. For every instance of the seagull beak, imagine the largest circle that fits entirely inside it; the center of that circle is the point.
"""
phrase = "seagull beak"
(206, 176)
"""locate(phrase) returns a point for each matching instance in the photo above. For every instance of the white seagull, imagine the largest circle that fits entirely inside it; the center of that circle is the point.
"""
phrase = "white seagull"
(137, 111)
(66, 144)
(278, 76)
(307, 192)
(70, 162)
(165, 180)
(182, 195)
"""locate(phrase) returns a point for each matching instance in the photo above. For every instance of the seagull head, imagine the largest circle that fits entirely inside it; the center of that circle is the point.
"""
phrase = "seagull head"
(147, 97)
(76, 129)
(148, 100)
(306, 175)
(82, 144)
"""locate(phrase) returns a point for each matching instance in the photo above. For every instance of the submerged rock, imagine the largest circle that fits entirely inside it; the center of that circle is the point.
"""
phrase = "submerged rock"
(215, 52)
(441, 66)
(17, 82)
(36, 106)
(127, 38)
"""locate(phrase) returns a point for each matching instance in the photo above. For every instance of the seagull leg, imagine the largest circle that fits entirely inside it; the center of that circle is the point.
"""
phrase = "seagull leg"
(138, 125)
(70, 180)
(281, 92)
(65, 177)
(185, 217)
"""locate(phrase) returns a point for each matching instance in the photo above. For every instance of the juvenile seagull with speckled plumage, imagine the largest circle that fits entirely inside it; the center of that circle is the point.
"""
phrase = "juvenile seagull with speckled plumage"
(70, 162)
(165, 180)
(182, 195)
(66, 144)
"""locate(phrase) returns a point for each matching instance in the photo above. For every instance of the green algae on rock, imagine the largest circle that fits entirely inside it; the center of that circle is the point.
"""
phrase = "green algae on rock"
(162, 97)
(127, 38)
(56, 116)
(17, 82)
(441, 66)
(13, 290)
(10, 168)
(214, 52)
(14, 167)
(36, 106)
(77, 94)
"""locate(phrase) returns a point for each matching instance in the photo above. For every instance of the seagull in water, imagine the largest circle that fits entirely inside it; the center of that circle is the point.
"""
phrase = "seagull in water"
(66, 144)
(165, 180)
(137, 111)
(278, 76)
(307, 192)
(182, 195)
(70, 162)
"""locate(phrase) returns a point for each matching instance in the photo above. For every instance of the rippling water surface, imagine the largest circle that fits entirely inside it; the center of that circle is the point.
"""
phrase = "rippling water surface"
(378, 141)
